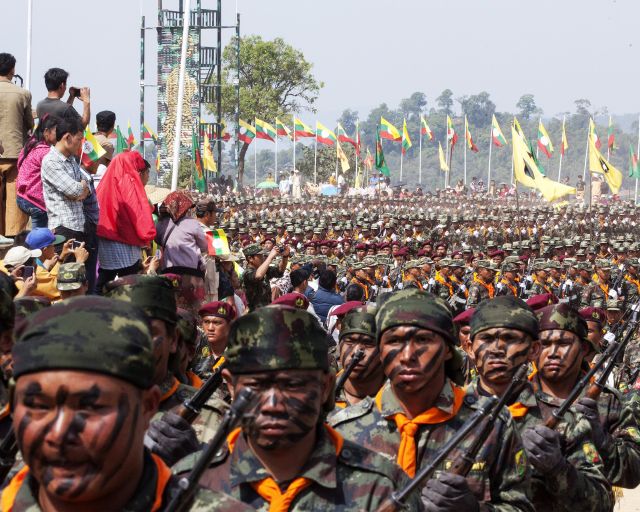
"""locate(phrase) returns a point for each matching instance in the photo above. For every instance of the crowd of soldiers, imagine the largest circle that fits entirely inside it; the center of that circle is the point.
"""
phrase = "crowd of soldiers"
(475, 357)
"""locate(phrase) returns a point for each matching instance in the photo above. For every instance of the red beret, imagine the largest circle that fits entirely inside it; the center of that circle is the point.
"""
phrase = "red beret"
(384, 245)
(497, 252)
(361, 247)
(293, 299)
(343, 309)
(592, 314)
(543, 300)
(464, 318)
(218, 308)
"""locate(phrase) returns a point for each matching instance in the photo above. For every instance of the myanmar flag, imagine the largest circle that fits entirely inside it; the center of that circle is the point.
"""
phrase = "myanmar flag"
(91, 148)
(388, 131)
(224, 134)
(381, 165)
(301, 130)
(406, 140)
(593, 135)
(368, 160)
(544, 142)
(443, 161)
(148, 133)
(452, 136)
(264, 130)
(246, 133)
(611, 138)
(324, 135)
(217, 242)
(496, 133)
(599, 165)
(470, 144)
(281, 129)
(565, 144)
(634, 172)
(343, 137)
(344, 161)
(131, 139)
(424, 128)
(198, 177)
(121, 142)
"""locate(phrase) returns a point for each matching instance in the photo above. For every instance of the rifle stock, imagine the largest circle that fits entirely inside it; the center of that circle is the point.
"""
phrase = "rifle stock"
(8, 452)
(355, 359)
(192, 406)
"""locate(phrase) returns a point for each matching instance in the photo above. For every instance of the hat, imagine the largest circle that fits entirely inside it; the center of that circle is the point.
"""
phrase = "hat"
(5, 242)
(276, 338)
(488, 264)
(504, 311)
(219, 309)
(592, 314)
(253, 249)
(207, 205)
(71, 276)
(155, 295)
(464, 318)
(93, 334)
(563, 317)
(542, 300)
(187, 327)
(613, 305)
(603, 264)
(293, 299)
(360, 320)
(343, 309)
(509, 267)
(19, 255)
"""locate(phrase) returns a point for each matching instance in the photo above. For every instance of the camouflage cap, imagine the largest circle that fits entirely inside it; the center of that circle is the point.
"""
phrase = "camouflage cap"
(30, 304)
(71, 276)
(155, 295)
(418, 308)
(509, 267)
(7, 311)
(488, 264)
(187, 326)
(276, 338)
(563, 317)
(603, 264)
(505, 311)
(253, 249)
(93, 334)
(361, 320)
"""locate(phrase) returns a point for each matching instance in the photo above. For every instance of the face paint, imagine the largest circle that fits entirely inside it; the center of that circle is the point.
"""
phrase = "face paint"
(413, 357)
(560, 356)
(369, 365)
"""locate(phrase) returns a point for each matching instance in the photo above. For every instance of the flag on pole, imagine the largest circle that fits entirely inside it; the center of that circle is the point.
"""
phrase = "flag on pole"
(368, 161)
(131, 139)
(443, 161)
(388, 131)
(148, 133)
(246, 133)
(121, 142)
(198, 178)
(381, 165)
(544, 141)
(471, 145)
(611, 139)
(564, 145)
(343, 137)
(344, 161)
(600, 165)
(593, 135)
(208, 161)
(634, 172)
(224, 134)
(424, 128)
(264, 130)
(302, 130)
(496, 133)
(452, 136)
(91, 149)
(217, 242)
(406, 140)
(358, 141)
(282, 130)
(325, 136)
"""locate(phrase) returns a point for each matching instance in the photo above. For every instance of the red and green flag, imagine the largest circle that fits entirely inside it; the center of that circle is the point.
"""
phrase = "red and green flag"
(381, 165)
(388, 131)
(148, 133)
(324, 135)
(246, 132)
(91, 149)
(611, 139)
(406, 140)
(544, 141)
(121, 142)
(424, 128)
(634, 172)
(358, 141)
(198, 177)
(594, 135)
(282, 130)
(343, 137)
(265, 131)
(131, 139)
(301, 130)
(217, 242)
(496, 133)
(470, 144)
(452, 136)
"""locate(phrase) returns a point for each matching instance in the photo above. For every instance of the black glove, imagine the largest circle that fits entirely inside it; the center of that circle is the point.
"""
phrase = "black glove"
(171, 438)
(543, 449)
(588, 407)
(449, 493)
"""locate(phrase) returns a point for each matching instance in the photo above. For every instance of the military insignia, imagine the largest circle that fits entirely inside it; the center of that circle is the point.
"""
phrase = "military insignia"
(67, 275)
(521, 463)
(634, 434)
(299, 302)
(591, 453)
(222, 310)
(595, 315)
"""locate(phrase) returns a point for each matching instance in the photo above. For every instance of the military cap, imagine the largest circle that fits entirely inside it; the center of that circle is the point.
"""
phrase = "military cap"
(93, 334)
(71, 276)
(633, 262)
(218, 309)
(253, 249)
(187, 326)
(584, 265)
(30, 304)
(488, 264)
(456, 263)
(155, 295)
(563, 317)
(603, 264)
(509, 267)
(293, 299)
(360, 320)
(504, 311)
(343, 309)
(613, 305)
(411, 264)
(542, 300)
(464, 318)
(540, 265)
(591, 314)
(276, 338)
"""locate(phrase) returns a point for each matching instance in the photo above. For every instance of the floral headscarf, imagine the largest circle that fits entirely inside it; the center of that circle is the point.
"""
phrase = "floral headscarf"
(177, 205)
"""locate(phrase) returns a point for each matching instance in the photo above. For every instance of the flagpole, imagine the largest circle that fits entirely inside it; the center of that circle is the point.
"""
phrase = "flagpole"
(490, 150)
(586, 154)
(255, 162)
(538, 139)
(561, 148)
(446, 151)
(635, 197)
(608, 147)
(466, 143)
(276, 171)
(420, 156)
(27, 82)
(294, 143)
(357, 139)
(401, 159)
(315, 160)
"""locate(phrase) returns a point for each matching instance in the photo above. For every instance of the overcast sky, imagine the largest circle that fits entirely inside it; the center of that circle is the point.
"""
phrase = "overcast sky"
(365, 51)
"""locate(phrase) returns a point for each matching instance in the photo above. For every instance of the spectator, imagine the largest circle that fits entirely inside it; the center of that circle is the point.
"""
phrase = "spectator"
(29, 185)
(299, 280)
(354, 292)
(125, 224)
(206, 213)
(15, 122)
(55, 79)
(325, 296)
(105, 122)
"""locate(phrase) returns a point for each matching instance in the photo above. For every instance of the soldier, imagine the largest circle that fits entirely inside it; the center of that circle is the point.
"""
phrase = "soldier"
(358, 331)
(631, 282)
(504, 336)
(72, 280)
(412, 275)
(7, 320)
(420, 408)
(482, 287)
(597, 293)
(256, 276)
(187, 331)
(215, 318)
(84, 396)
(508, 285)
(286, 458)
(595, 319)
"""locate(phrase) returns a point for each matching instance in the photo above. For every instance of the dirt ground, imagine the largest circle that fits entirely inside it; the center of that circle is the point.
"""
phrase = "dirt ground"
(630, 501)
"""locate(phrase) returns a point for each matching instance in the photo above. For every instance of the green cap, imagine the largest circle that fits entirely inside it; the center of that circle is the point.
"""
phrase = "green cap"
(71, 276)
(276, 338)
(505, 311)
(155, 295)
(93, 334)
(361, 320)
(253, 249)
(603, 264)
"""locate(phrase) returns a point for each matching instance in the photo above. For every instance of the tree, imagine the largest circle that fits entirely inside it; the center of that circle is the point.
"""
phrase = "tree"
(275, 81)
(527, 107)
(583, 107)
(348, 120)
(445, 101)
(478, 108)
(413, 106)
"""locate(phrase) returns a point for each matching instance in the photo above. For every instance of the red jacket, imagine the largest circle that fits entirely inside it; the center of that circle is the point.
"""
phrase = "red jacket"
(125, 212)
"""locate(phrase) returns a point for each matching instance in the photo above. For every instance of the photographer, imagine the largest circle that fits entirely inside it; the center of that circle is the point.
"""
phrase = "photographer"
(255, 279)
(55, 79)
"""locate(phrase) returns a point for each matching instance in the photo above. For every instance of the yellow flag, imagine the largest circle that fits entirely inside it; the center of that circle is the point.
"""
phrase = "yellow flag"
(208, 162)
(344, 161)
(600, 165)
(443, 161)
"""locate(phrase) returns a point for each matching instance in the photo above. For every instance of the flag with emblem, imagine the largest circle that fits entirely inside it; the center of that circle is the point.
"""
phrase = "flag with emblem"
(381, 164)
(198, 175)
(470, 144)
(301, 130)
(406, 140)
(565, 144)
(246, 133)
(496, 133)
(424, 128)
(593, 135)
(634, 172)
(388, 131)
(217, 243)
(452, 136)
(264, 130)
(544, 141)
(611, 138)
(600, 165)
(91, 149)
(324, 135)
(444, 167)
(282, 130)
(208, 161)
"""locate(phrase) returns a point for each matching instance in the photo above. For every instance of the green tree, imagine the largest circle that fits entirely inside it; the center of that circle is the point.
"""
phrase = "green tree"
(527, 107)
(348, 120)
(445, 101)
(478, 108)
(275, 81)
(413, 106)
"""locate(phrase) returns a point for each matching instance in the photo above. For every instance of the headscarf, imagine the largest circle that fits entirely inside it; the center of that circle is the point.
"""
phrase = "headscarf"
(177, 205)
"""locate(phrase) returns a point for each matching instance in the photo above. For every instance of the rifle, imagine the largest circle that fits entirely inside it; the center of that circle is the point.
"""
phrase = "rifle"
(187, 486)
(192, 406)
(8, 452)
(355, 359)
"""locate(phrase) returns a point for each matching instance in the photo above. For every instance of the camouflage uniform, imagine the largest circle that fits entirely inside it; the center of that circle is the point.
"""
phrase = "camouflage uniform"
(593, 295)
(478, 292)
(258, 291)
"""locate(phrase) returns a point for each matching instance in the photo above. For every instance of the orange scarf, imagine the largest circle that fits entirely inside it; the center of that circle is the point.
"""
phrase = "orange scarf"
(512, 288)
(488, 287)
(442, 281)
(518, 410)
(409, 427)
(633, 281)
(11, 491)
(544, 286)
(194, 380)
(269, 490)
(603, 287)
(455, 280)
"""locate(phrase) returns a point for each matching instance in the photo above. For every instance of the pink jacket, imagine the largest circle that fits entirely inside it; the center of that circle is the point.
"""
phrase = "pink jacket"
(29, 184)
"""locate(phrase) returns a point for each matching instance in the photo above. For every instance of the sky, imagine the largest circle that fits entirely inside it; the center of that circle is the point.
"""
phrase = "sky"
(365, 51)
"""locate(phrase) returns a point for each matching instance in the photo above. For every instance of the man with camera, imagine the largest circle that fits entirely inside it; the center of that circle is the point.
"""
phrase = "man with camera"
(255, 280)
(55, 79)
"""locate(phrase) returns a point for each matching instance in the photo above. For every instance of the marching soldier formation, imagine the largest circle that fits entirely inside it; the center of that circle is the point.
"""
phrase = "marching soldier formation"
(414, 354)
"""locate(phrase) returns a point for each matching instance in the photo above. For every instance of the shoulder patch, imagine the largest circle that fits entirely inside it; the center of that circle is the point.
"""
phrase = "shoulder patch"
(351, 413)
(591, 453)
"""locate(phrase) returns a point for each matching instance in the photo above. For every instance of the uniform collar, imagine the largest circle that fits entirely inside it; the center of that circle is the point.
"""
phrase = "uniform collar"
(388, 404)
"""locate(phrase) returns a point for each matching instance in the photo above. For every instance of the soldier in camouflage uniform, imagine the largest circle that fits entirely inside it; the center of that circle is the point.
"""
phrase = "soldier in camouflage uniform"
(540, 283)
(482, 287)
(508, 285)
(420, 408)
(504, 335)
(287, 458)
(258, 273)
(631, 282)
(597, 293)
(84, 395)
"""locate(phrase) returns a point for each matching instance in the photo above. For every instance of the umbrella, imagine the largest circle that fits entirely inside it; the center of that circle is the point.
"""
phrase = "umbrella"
(267, 184)
(328, 190)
